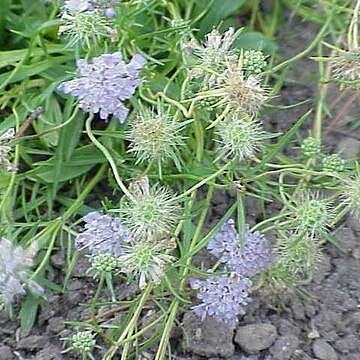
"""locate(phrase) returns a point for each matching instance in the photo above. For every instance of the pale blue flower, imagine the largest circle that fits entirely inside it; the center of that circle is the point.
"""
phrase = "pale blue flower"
(223, 297)
(105, 84)
(245, 259)
(103, 235)
(104, 6)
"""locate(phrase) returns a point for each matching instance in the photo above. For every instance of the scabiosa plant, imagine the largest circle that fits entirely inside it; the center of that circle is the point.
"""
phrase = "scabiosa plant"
(15, 264)
(145, 261)
(155, 136)
(311, 146)
(103, 234)
(240, 136)
(333, 163)
(151, 213)
(105, 84)
(245, 259)
(222, 297)
(5, 150)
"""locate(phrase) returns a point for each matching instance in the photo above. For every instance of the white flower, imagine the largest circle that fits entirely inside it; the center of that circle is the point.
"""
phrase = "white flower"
(15, 263)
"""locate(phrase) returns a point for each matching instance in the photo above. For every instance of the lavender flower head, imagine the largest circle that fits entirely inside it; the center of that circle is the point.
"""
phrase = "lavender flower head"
(105, 84)
(223, 297)
(103, 235)
(91, 5)
(254, 256)
(15, 263)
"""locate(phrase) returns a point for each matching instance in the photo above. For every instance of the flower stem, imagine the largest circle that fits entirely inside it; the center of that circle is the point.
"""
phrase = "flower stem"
(106, 153)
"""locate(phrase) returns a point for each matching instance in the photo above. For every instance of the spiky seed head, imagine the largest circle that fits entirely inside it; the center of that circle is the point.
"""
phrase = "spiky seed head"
(240, 136)
(254, 62)
(346, 68)
(146, 262)
(83, 341)
(298, 255)
(246, 95)
(312, 214)
(216, 49)
(311, 146)
(351, 194)
(151, 213)
(155, 135)
(85, 29)
(333, 163)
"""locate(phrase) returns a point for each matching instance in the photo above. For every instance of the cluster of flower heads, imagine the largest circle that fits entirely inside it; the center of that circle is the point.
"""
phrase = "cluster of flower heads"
(224, 76)
(224, 297)
(135, 248)
(105, 84)
(311, 148)
(15, 264)
(5, 149)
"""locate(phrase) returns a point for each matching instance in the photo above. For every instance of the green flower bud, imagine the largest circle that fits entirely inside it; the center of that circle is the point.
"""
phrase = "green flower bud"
(83, 341)
(254, 62)
(104, 263)
(333, 163)
(311, 146)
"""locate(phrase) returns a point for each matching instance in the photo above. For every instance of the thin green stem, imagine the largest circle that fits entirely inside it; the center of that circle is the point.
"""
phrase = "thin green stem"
(203, 182)
(308, 49)
(131, 325)
(110, 159)
(161, 352)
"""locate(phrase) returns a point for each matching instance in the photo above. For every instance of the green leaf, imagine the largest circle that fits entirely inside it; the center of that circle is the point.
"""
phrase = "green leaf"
(220, 10)
(255, 40)
(82, 160)
(28, 312)
(27, 71)
(9, 57)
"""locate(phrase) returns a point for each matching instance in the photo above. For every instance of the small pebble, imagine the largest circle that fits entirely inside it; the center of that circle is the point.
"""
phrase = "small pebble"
(324, 351)
(257, 337)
